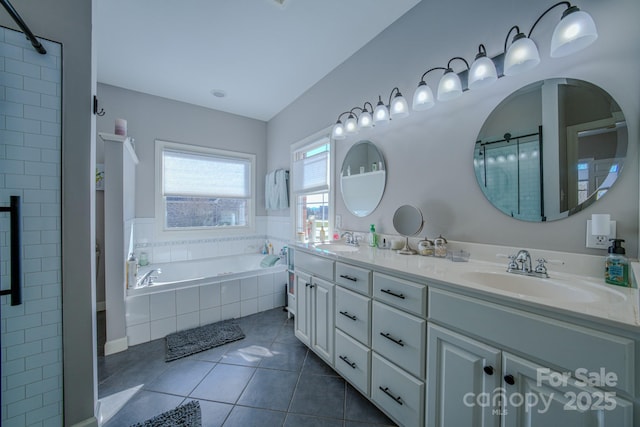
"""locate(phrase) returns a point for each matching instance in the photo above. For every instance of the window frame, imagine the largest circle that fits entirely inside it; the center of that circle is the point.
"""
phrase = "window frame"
(307, 144)
(164, 233)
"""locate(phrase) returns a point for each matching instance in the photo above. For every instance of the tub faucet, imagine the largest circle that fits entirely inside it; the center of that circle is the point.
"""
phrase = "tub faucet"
(147, 278)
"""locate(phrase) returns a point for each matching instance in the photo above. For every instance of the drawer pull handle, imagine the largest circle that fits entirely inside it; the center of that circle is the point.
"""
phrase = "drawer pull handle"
(346, 276)
(390, 292)
(509, 379)
(348, 362)
(350, 316)
(488, 370)
(386, 391)
(389, 337)
(307, 284)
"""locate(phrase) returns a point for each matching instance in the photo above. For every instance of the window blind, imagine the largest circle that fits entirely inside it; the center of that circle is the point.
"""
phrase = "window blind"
(311, 174)
(201, 175)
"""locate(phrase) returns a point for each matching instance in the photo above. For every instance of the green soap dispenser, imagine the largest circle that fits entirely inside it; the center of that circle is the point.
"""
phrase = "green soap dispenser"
(616, 270)
(373, 237)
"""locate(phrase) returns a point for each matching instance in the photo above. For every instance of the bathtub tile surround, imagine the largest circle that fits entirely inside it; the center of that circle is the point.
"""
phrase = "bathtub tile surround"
(155, 315)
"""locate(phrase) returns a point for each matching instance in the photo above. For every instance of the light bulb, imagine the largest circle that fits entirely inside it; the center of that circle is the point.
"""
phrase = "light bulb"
(575, 31)
(521, 56)
(482, 73)
(351, 125)
(365, 120)
(381, 114)
(338, 131)
(399, 107)
(422, 97)
(450, 86)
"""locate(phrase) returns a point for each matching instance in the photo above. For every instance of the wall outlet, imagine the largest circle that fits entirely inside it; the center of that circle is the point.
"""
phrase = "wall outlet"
(600, 242)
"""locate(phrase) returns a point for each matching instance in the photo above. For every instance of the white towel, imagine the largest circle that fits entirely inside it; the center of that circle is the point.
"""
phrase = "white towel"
(276, 189)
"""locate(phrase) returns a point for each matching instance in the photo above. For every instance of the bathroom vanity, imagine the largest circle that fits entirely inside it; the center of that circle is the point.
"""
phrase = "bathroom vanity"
(437, 343)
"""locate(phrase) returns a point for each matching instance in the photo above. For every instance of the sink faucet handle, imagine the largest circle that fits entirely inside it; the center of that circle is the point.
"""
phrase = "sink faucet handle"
(512, 261)
(541, 267)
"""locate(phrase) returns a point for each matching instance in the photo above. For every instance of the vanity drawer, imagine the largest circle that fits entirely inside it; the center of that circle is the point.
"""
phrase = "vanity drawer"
(353, 361)
(354, 278)
(398, 393)
(318, 266)
(560, 344)
(400, 337)
(353, 314)
(400, 293)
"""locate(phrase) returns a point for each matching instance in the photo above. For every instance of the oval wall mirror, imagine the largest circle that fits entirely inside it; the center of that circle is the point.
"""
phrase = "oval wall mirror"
(362, 178)
(550, 149)
(408, 221)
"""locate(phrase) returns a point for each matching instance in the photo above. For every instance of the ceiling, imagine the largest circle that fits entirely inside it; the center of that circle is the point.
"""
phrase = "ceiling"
(261, 54)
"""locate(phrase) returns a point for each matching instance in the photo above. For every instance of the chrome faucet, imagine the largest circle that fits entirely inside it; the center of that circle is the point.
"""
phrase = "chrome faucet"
(147, 278)
(524, 259)
(351, 239)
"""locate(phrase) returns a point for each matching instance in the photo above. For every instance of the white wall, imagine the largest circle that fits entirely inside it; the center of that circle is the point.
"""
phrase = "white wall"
(150, 117)
(429, 155)
(69, 22)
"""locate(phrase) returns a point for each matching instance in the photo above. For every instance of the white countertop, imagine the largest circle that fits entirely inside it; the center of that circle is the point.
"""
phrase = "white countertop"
(614, 305)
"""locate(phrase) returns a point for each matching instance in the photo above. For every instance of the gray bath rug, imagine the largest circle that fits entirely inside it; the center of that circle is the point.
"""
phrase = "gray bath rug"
(187, 415)
(191, 341)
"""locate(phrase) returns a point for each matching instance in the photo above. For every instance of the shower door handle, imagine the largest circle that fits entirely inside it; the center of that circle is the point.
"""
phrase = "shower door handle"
(16, 274)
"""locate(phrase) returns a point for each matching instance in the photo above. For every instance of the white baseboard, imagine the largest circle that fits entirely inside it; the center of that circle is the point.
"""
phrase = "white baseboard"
(101, 306)
(89, 422)
(115, 346)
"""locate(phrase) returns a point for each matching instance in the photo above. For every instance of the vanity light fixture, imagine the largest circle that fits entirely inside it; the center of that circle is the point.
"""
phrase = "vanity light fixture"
(450, 85)
(575, 31)
(483, 71)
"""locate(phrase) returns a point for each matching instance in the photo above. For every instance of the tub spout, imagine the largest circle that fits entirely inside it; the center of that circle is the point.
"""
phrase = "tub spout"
(147, 278)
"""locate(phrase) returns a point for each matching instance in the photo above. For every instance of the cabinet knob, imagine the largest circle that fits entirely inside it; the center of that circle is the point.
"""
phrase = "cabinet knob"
(509, 379)
(488, 370)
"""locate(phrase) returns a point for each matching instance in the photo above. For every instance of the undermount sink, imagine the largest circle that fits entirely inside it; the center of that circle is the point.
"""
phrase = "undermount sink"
(549, 289)
(336, 247)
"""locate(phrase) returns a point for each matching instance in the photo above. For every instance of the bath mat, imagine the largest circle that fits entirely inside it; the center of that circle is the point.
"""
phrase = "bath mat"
(185, 343)
(187, 415)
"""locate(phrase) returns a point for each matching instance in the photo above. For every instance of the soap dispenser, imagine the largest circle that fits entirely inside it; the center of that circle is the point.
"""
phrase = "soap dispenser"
(616, 270)
(373, 237)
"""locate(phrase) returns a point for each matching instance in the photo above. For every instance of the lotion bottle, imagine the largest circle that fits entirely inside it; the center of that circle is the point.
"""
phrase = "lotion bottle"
(132, 271)
(616, 271)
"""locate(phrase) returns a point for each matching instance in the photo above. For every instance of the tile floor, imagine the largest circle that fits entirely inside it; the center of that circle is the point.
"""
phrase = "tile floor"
(267, 379)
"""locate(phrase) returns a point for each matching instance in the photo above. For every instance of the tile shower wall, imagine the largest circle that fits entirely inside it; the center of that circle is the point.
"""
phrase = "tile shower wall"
(274, 229)
(30, 153)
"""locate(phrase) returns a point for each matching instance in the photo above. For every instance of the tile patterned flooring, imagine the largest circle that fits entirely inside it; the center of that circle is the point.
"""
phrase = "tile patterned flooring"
(267, 379)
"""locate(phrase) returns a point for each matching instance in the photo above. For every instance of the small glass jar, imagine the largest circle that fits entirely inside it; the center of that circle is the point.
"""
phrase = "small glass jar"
(426, 247)
(440, 247)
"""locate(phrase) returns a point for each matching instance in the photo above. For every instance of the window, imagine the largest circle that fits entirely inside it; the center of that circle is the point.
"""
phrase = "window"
(200, 188)
(311, 182)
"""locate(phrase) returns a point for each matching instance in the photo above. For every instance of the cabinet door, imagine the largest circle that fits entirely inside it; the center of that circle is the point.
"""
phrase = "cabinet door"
(304, 313)
(323, 321)
(460, 372)
(539, 397)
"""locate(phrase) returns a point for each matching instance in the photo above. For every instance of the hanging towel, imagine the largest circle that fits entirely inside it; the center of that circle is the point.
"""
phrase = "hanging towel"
(277, 189)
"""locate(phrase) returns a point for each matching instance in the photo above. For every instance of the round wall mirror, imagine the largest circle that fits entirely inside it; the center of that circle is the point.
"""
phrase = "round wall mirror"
(407, 220)
(550, 149)
(362, 178)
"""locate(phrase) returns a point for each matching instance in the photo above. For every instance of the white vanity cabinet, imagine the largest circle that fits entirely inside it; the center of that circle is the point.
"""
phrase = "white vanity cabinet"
(460, 372)
(314, 320)
(519, 391)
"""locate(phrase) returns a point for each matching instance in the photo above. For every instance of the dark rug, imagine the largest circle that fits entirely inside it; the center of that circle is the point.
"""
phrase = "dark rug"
(191, 341)
(187, 415)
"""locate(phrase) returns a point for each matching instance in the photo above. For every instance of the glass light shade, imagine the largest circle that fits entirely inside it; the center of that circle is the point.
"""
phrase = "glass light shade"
(521, 56)
(423, 97)
(381, 114)
(365, 120)
(338, 131)
(449, 87)
(575, 31)
(482, 73)
(351, 125)
(399, 107)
